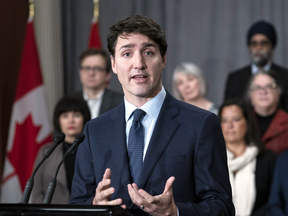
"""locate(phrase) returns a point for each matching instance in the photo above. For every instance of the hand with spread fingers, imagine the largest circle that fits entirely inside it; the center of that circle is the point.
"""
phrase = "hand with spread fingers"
(162, 204)
(104, 191)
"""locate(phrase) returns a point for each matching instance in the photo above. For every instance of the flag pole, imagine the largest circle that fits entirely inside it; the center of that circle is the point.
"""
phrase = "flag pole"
(96, 8)
(31, 8)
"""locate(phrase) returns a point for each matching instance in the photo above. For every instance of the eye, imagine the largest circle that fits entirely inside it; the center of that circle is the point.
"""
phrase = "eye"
(77, 114)
(64, 115)
(126, 54)
(149, 53)
(223, 121)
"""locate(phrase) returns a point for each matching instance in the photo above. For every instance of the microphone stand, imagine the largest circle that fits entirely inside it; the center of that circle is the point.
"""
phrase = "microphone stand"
(53, 182)
(30, 183)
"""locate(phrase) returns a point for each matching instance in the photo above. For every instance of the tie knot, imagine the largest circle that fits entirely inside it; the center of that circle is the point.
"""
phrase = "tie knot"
(138, 115)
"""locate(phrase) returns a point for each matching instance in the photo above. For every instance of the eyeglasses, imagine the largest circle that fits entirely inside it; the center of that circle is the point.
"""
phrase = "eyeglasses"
(94, 69)
(254, 88)
(263, 43)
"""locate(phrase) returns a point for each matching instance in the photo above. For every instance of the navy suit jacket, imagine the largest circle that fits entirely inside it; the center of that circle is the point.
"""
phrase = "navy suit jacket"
(278, 201)
(187, 143)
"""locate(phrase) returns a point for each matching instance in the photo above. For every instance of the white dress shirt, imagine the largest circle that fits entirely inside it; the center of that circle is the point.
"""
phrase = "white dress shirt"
(255, 69)
(152, 109)
(94, 104)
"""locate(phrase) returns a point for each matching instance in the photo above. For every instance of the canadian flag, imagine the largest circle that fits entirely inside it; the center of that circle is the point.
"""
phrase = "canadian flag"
(29, 125)
(94, 38)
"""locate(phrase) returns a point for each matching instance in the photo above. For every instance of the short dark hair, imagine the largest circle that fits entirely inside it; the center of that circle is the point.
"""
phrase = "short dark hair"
(253, 134)
(70, 103)
(137, 24)
(93, 51)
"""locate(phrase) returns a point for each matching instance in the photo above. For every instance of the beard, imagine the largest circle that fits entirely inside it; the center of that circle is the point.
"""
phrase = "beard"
(260, 58)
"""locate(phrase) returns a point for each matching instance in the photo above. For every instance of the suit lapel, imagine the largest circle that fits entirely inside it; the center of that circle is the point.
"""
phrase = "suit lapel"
(164, 130)
(117, 139)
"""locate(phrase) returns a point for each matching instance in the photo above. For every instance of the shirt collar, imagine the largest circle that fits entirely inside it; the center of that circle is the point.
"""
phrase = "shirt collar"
(254, 68)
(99, 96)
(152, 107)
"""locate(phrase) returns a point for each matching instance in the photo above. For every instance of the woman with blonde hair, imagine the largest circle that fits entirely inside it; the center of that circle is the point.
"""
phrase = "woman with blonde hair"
(190, 86)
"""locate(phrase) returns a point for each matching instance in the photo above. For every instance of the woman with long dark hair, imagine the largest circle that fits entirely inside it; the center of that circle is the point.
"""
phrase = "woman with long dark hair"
(250, 165)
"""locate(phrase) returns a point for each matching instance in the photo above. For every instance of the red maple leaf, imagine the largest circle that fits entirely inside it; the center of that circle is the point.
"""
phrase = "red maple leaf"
(25, 149)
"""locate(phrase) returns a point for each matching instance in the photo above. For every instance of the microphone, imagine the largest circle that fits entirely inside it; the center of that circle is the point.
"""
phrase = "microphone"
(53, 182)
(29, 185)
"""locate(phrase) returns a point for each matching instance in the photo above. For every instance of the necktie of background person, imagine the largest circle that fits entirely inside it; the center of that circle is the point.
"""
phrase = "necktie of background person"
(136, 145)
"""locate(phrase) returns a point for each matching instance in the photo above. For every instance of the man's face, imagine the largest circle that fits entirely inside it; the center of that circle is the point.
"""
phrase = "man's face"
(93, 73)
(138, 65)
(261, 50)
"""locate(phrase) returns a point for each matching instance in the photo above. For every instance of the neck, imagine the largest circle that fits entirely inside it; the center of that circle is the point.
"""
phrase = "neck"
(70, 139)
(237, 148)
(92, 93)
(200, 102)
(138, 100)
(266, 111)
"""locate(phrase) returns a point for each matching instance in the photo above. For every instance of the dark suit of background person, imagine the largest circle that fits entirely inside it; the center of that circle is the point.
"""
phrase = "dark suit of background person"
(95, 74)
(278, 201)
(236, 83)
(111, 99)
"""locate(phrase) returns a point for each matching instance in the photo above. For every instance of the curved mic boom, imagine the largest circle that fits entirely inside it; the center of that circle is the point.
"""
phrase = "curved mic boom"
(53, 182)
(29, 185)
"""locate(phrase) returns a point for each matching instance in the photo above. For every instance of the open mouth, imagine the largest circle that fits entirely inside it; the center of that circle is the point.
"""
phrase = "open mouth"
(139, 78)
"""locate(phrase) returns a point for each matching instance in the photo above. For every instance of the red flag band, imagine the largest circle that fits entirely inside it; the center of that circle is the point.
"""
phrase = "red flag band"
(29, 125)
(94, 39)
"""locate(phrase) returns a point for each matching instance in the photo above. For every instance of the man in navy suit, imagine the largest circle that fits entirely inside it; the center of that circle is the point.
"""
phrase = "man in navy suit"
(183, 167)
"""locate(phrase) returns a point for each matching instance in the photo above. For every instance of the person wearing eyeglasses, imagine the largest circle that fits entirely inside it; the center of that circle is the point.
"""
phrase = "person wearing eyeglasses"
(261, 42)
(95, 73)
(264, 92)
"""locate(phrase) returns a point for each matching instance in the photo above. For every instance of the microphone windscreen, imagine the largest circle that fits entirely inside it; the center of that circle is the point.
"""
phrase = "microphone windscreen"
(80, 137)
(60, 137)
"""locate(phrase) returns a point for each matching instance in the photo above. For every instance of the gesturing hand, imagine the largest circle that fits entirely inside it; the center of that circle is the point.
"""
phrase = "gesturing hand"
(104, 191)
(162, 204)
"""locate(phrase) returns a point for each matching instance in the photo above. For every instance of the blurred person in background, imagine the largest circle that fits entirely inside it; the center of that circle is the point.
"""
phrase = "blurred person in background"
(250, 166)
(278, 201)
(190, 86)
(95, 74)
(70, 116)
(264, 92)
(261, 42)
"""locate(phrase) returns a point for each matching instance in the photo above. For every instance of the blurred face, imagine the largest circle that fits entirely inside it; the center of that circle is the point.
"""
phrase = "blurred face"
(93, 73)
(260, 49)
(138, 65)
(264, 94)
(71, 124)
(234, 124)
(188, 86)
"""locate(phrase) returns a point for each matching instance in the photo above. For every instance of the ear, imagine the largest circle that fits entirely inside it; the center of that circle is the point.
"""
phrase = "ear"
(113, 65)
(164, 61)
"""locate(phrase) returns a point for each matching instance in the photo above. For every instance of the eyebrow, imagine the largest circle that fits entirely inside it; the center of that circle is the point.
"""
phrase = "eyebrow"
(144, 45)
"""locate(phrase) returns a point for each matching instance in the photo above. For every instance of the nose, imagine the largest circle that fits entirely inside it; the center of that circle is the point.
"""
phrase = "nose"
(139, 61)
(230, 124)
(71, 119)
